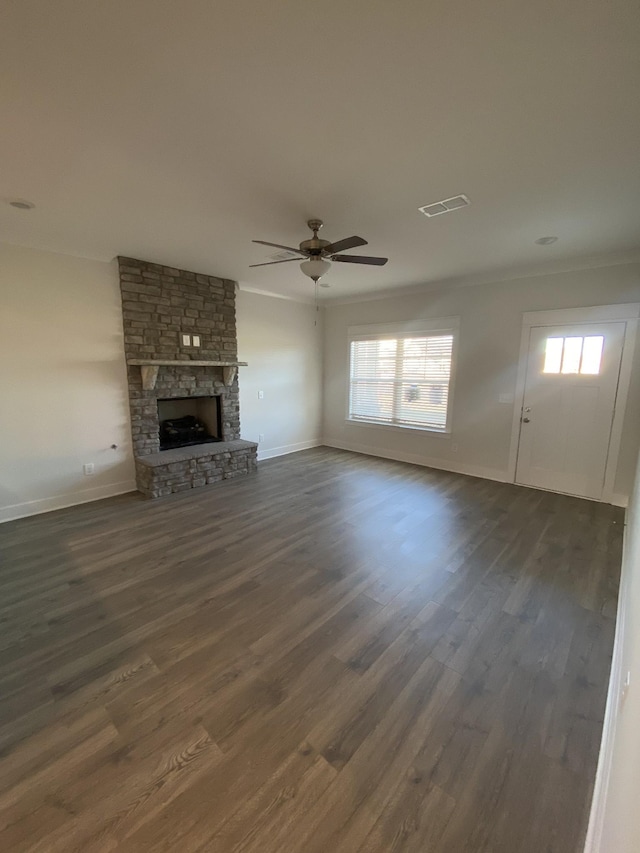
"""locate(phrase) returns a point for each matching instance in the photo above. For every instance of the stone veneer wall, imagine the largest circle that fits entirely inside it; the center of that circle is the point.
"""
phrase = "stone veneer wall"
(191, 467)
(159, 304)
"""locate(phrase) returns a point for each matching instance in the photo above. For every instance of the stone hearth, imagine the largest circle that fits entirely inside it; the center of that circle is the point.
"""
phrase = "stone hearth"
(159, 305)
(187, 468)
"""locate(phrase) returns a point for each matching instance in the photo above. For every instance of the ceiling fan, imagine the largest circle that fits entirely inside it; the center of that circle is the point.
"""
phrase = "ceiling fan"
(319, 253)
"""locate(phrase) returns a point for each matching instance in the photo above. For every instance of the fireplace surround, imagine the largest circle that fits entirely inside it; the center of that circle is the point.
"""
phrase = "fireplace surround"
(188, 421)
(160, 305)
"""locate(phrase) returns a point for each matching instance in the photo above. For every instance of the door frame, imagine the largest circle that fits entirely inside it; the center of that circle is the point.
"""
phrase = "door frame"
(627, 313)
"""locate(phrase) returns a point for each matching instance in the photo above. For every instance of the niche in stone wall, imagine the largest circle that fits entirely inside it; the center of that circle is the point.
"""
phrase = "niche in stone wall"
(186, 421)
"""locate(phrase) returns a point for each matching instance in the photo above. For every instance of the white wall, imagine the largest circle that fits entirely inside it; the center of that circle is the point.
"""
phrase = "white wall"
(64, 395)
(615, 818)
(283, 345)
(63, 398)
(489, 345)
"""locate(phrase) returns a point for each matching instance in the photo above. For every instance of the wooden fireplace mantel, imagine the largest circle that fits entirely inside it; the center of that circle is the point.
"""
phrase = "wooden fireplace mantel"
(149, 369)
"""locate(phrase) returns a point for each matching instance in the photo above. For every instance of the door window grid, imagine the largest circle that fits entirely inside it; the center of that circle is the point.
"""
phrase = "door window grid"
(574, 355)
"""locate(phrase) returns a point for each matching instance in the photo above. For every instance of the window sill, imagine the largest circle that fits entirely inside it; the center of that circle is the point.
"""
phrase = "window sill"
(441, 433)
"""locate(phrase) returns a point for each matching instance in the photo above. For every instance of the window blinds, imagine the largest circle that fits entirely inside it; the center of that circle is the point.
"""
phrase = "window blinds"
(403, 380)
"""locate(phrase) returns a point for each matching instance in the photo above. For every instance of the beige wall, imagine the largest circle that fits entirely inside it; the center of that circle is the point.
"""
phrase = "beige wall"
(283, 346)
(615, 819)
(489, 346)
(62, 374)
(64, 395)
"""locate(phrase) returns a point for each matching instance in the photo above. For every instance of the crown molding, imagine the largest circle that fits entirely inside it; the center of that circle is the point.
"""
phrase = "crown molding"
(511, 274)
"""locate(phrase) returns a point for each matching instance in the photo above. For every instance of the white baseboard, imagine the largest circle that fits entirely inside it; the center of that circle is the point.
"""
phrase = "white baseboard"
(443, 465)
(593, 843)
(414, 459)
(288, 448)
(22, 510)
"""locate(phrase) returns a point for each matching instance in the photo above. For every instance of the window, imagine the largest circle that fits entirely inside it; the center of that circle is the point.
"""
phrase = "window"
(573, 355)
(402, 379)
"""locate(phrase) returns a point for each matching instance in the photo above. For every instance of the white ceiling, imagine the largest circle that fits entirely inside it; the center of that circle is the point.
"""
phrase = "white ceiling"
(178, 130)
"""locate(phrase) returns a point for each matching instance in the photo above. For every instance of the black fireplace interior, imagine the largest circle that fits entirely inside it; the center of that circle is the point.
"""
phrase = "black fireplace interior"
(185, 421)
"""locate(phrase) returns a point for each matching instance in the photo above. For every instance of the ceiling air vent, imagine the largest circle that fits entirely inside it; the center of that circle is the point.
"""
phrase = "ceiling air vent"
(284, 256)
(445, 206)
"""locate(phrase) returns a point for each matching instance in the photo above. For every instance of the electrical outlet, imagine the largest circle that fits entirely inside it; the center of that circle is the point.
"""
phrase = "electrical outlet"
(87, 469)
(260, 395)
(454, 447)
(260, 438)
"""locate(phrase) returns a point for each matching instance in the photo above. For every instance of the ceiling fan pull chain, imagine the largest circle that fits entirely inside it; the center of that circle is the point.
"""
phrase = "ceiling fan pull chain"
(315, 321)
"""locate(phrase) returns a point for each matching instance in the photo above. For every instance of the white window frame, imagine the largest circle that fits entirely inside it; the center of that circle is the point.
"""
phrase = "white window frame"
(408, 328)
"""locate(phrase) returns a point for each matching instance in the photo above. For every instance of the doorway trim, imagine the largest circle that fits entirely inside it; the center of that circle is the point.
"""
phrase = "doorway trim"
(628, 313)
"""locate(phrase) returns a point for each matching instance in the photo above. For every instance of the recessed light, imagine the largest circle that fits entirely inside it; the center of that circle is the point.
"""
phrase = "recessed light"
(22, 204)
(546, 241)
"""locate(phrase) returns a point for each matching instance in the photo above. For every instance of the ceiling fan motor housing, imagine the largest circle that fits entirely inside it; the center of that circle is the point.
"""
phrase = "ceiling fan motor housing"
(315, 245)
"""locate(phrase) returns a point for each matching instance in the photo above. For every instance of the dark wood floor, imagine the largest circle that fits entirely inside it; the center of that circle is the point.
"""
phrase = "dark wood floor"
(337, 654)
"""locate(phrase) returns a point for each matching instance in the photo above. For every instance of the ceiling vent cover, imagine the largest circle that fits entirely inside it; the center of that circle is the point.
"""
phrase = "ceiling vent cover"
(445, 206)
(284, 256)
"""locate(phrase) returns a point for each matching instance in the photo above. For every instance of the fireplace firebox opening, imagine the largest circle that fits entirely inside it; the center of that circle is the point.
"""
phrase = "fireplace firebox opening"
(185, 421)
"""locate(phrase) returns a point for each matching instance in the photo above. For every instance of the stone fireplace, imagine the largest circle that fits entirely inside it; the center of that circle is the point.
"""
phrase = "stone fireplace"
(181, 352)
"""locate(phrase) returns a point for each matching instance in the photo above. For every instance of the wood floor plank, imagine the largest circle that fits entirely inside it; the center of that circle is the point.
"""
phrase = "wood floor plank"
(336, 653)
(347, 812)
(412, 821)
(270, 815)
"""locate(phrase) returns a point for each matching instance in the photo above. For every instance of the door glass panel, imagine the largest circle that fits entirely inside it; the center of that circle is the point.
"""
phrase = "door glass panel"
(574, 355)
(592, 354)
(571, 355)
(553, 355)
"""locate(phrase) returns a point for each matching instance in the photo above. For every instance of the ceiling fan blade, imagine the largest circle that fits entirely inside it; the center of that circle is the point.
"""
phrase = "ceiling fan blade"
(278, 246)
(360, 259)
(269, 263)
(343, 245)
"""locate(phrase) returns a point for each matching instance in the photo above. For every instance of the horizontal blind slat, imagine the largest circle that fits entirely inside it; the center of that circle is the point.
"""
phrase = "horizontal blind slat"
(411, 388)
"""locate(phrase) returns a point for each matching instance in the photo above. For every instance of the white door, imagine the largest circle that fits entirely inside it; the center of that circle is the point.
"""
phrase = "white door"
(569, 401)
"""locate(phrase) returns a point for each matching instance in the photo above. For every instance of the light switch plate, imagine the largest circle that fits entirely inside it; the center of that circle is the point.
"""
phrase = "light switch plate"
(195, 340)
(186, 340)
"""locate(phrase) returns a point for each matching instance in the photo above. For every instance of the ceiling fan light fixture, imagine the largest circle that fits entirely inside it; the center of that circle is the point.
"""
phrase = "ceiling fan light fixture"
(319, 254)
(315, 268)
